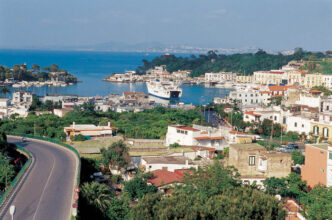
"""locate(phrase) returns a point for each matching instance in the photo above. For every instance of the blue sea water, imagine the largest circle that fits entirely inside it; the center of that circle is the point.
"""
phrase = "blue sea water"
(92, 67)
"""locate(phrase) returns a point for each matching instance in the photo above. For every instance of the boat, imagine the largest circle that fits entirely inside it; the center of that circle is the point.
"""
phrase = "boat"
(164, 89)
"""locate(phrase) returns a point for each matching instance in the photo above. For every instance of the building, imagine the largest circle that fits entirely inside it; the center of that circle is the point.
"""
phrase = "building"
(58, 98)
(244, 79)
(62, 112)
(163, 178)
(268, 77)
(250, 96)
(327, 81)
(22, 97)
(220, 77)
(194, 136)
(255, 163)
(169, 163)
(89, 130)
(299, 123)
(321, 127)
(135, 98)
(312, 80)
(318, 165)
(280, 90)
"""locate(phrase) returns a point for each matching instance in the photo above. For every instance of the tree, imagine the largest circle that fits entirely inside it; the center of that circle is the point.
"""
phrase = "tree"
(297, 157)
(35, 68)
(6, 172)
(275, 186)
(4, 90)
(137, 188)
(3, 141)
(116, 155)
(98, 195)
(119, 209)
(318, 202)
(174, 145)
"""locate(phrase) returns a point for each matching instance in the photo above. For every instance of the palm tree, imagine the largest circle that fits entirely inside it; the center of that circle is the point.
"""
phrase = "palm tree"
(98, 195)
(4, 90)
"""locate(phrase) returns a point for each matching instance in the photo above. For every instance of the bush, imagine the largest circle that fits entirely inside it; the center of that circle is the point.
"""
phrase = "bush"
(79, 138)
(297, 157)
(175, 145)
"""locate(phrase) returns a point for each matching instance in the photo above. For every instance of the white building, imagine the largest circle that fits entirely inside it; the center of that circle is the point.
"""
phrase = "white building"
(299, 124)
(327, 81)
(309, 100)
(89, 130)
(169, 163)
(22, 97)
(250, 96)
(188, 136)
(220, 77)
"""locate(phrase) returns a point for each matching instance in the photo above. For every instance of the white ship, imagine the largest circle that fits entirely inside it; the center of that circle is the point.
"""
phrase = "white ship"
(164, 90)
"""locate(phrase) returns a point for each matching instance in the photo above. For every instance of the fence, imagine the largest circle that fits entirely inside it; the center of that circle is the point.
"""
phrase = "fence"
(18, 176)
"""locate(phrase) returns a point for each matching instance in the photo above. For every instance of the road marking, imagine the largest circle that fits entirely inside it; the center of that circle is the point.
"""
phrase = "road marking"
(41, 197)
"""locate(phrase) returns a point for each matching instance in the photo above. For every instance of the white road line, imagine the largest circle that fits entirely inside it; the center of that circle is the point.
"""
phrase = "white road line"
(41, 197)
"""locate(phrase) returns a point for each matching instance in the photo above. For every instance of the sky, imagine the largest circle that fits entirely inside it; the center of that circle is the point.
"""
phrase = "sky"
(266, 24)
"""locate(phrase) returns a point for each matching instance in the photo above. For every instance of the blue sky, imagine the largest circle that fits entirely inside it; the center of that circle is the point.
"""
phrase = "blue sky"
(268, 24)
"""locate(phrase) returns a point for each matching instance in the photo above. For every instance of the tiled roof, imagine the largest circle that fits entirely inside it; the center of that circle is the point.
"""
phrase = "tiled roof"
(164, 177)
(236, 132)
(252, 113)
(182, 127)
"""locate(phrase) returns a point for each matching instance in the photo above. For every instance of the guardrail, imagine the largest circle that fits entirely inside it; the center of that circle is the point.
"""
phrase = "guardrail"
(18, 176)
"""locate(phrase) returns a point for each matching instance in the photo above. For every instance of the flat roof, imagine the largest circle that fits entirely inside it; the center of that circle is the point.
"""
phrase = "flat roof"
(323, 146)
(251, 146)
(167, 160)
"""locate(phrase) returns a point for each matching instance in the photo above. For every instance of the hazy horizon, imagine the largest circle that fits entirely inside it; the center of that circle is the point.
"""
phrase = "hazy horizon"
(274, 25)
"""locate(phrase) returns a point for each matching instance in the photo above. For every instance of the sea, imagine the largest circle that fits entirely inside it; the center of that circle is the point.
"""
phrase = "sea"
(92, 67)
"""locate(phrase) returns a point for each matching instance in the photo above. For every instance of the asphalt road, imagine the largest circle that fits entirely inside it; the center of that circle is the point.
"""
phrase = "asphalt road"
(47, 192)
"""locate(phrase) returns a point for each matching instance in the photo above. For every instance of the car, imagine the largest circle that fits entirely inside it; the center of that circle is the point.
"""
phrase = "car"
(24, 139)
(294, 146)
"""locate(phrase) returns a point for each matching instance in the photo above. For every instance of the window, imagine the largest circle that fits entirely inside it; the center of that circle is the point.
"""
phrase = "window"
(325, 132)
(316, 130)
(295, 124)
(284, 120)
(251, 160)
(330, 155)
(327, 108)
(302, 125)
(275, 118)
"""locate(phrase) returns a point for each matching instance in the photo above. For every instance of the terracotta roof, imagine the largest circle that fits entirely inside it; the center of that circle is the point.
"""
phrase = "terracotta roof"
(276, 72)
(236, 132)
(164, 177)
(185, 128)
(281, 88)
(315, 91)
(217, 138)
(202, 138)
(252, 113)
(263, 92)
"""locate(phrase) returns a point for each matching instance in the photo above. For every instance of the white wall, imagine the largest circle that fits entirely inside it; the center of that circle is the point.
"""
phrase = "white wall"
(298, 124)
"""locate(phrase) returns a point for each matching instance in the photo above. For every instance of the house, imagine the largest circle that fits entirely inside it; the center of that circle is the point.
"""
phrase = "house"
(321, 127)
(89, 130)
(164, 178)
(62, 112)
(280, 90)
(318, 164)
(194, 136)
(169, 163)
(250, 96)
(251, 117)
(298, 123)
(255, 163)
(22, 97)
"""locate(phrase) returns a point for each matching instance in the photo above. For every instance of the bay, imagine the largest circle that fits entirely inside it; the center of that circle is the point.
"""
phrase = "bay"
(91, 67)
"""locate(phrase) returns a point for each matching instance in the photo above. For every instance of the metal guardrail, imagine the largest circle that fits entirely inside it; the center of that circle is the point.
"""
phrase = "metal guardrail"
(18, 176)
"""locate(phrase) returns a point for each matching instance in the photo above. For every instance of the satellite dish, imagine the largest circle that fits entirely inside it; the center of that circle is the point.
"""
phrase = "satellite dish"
(12, 210)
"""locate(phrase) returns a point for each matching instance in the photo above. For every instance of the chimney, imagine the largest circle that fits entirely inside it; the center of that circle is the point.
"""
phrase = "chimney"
(109, 124)
(73, 124)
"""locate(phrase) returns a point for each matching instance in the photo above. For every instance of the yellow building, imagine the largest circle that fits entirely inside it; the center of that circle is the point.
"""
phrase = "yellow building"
(244, 79)
(311, 80)
(268, 77)
(296, 77)
(322, 129)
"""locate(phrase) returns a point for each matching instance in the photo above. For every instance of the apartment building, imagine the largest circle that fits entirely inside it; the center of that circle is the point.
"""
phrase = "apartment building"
(318, 165)
(268, 77)
(191, 136)
(220, 77)
(250, 96)
(312, 80)
(321, 128)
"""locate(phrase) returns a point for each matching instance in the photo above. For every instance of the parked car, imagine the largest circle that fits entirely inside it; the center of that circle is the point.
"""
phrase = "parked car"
(294, 146)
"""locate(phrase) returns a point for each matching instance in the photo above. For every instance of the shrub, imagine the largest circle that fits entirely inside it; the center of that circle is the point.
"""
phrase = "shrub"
(175, 145)
(79, 138)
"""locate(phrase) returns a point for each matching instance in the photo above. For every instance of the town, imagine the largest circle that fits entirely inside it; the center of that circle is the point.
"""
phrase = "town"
(274, 127)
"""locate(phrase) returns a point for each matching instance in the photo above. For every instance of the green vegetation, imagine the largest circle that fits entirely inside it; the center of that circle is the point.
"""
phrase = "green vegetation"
(319, 65)
(175, 145)
(7, 172)
(147, 124)
(211, 193)
(239, 63)
(316, 202)
(138, 187)
(97, 195)
(297, 157)
(21, 73)
(326, 91)
(116, 155)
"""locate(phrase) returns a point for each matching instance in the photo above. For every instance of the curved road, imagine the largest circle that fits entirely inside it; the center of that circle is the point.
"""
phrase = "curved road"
(47, 191)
